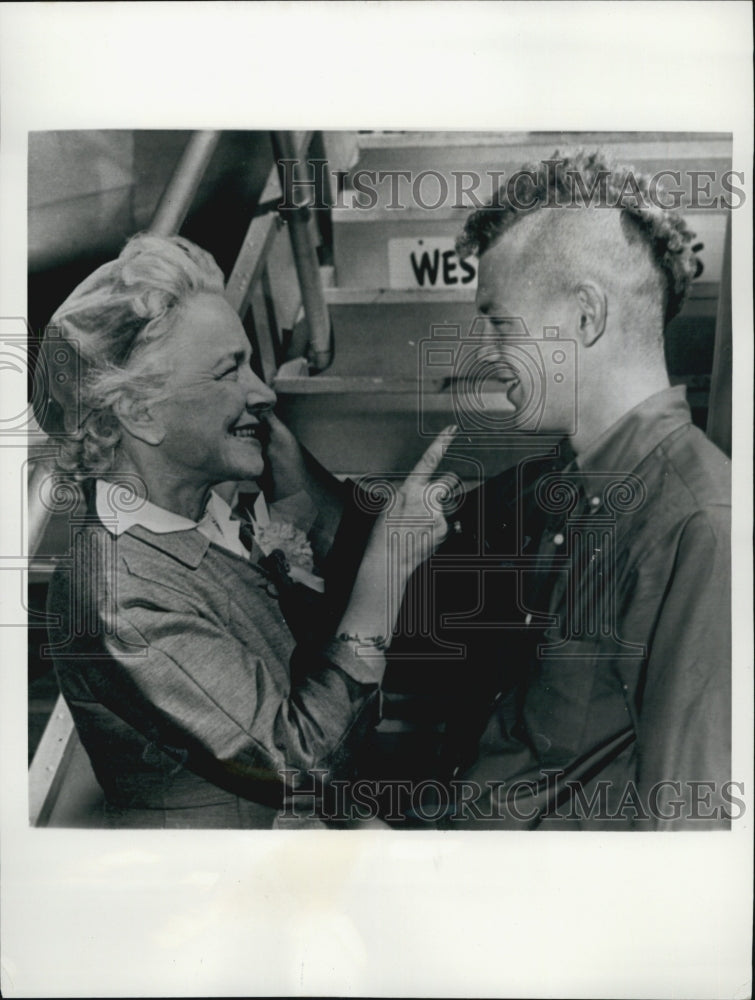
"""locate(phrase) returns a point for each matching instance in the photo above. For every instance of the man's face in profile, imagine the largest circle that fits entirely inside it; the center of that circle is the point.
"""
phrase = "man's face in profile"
(518, 304)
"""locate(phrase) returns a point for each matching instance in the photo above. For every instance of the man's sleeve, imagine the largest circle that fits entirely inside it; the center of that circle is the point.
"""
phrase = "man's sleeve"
(685, 720)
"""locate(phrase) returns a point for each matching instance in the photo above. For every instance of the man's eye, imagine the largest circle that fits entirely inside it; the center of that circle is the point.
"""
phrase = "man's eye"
(229, 372)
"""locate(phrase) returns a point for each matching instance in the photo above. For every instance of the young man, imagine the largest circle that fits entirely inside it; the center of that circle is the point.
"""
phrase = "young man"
(597, 688)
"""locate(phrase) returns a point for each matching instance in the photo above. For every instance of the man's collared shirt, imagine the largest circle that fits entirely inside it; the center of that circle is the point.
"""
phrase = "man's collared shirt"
(627, 600)
(632, 682)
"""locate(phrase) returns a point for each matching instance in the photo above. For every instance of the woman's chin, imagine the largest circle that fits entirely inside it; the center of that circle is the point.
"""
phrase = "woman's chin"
(247, 460)
(251, 470)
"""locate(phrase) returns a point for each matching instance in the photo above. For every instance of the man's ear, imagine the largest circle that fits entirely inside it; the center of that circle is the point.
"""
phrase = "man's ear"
(140, 420)
(593, 309)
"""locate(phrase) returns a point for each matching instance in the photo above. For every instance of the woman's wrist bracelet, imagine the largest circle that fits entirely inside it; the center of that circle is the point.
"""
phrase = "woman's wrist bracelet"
(380, 642)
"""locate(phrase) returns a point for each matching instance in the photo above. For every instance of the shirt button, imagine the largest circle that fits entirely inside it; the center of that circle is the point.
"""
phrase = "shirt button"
(558, 539)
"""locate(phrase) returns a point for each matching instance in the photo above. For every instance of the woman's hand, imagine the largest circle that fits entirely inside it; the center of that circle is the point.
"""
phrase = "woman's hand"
(288, 469)
(413, 526)
(293, 470)
(404, 535)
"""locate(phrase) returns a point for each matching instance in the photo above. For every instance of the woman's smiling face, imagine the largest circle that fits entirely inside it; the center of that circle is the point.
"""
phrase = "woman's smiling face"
(212, 414)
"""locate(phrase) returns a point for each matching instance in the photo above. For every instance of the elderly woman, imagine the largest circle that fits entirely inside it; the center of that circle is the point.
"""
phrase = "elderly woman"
(196, 699)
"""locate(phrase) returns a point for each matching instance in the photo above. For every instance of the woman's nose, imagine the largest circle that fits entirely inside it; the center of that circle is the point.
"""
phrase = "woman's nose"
(260, 393)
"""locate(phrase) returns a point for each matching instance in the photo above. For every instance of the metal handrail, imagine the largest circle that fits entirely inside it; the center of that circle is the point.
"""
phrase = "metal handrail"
(176, 200)
(307, 266)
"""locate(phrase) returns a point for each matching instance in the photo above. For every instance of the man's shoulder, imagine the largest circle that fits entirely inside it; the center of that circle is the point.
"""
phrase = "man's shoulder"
(698, 472)
(687, 499)
(708, 526)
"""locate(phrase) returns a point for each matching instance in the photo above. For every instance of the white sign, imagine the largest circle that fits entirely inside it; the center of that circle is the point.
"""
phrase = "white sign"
(429, 262)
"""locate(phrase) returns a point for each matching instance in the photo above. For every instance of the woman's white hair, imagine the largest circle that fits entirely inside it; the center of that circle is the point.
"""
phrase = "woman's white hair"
(113, 320)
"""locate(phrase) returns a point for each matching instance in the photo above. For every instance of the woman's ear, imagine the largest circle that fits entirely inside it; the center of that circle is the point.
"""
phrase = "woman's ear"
(139, 420)
(593, 309)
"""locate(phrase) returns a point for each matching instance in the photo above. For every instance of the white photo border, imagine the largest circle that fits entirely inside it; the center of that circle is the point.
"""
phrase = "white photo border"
(190, 913)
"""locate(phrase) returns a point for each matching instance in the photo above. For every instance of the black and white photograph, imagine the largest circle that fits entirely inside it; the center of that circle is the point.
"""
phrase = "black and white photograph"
(385, 518)
(286, 590)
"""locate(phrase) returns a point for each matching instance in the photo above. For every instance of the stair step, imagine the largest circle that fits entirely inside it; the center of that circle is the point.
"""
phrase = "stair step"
(701, 292)
(451, 172)
(508, 151)
(346, 384)
(363, 247)
(373, 432)
(399, 296)
(384, 335)
(412, 139)
(466, 168)
(384, 249)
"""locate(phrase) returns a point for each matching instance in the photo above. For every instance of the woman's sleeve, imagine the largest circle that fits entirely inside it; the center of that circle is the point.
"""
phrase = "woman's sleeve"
(173, 672)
